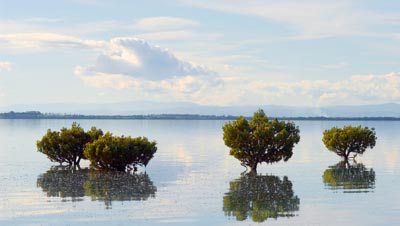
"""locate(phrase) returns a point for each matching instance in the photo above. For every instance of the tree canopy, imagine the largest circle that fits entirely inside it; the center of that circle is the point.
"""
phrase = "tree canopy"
(349, 139)
(260, 197)
(67, 145)
(260, 140)
(103, 151)
(119, 152)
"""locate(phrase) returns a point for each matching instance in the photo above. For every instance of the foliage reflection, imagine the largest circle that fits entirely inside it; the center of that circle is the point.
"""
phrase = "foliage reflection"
(73, 185)
(349, 177)
(260, 197)
(119, 186)
(63, 182)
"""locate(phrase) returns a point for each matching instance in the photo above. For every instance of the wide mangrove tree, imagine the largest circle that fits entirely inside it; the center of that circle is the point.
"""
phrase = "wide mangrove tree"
(67, 145)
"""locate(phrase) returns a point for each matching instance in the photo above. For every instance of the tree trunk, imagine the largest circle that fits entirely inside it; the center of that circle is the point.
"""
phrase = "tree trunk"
(346, 157)
(78, 161)
(253, 168)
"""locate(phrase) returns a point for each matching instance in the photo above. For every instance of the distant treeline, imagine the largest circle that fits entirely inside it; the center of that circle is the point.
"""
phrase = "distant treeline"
(39, 115)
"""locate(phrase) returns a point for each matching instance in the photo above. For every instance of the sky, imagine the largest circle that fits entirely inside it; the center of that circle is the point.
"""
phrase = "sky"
(208, 52)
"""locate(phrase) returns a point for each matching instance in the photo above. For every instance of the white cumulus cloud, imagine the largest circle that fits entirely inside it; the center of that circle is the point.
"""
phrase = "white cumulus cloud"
(139, 59)
(130, 63)
(358, 89)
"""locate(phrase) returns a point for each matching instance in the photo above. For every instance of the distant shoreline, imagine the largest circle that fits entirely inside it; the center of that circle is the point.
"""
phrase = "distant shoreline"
(39, 115)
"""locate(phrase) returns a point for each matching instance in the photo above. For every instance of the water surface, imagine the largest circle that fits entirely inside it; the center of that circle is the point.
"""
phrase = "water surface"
(192, 180)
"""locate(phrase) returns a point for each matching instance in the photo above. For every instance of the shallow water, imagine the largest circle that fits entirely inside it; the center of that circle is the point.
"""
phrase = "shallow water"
(192, 180)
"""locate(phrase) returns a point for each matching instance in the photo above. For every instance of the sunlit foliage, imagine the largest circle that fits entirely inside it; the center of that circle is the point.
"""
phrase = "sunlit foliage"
(349, 139)
(120, 153)
(67, 145)
(260, 140)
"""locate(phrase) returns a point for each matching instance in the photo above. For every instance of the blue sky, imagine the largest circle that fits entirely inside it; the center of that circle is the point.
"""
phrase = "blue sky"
(212, 52)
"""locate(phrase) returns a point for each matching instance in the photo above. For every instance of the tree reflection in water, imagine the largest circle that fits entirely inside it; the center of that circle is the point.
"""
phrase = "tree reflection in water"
(260, 197)
(64, 182)
(349, 177)
(119, 186)
(99, 185)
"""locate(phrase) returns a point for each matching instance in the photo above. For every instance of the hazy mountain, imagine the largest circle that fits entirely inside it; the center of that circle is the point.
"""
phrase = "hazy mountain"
(145, 107)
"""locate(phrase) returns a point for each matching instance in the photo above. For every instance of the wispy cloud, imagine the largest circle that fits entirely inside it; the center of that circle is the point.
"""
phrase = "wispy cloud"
(43, 20)
(40, 41)
(164, 23)
(53, 25)
(167, 35)
(308, 19)
(335, 66)
(96, 3)
(143, 24)
(155, 28)
(170, 29)
(17, 26)
(179, 35)
(147, 25)
(5, 66)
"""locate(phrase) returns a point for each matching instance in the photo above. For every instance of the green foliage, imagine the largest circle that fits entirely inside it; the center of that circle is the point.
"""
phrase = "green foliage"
(260, 140)
(349, 139)
(104, 151)
(74, 185)
(260, 197)
(349, 177)
(67, 145)
(119, 153)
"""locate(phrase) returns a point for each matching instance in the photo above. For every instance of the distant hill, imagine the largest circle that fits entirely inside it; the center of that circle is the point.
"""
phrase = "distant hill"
(158, 108)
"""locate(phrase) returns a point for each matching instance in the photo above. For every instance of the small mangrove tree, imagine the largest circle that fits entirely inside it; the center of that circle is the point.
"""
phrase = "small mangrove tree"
(349, 139)
(260, 140)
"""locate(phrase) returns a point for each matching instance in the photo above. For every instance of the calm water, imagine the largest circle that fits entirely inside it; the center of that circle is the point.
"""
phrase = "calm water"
(193, 181)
